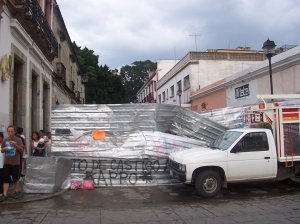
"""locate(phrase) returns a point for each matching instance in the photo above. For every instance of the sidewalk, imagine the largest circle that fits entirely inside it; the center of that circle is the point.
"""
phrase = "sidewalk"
(32, 197)
(273, 203)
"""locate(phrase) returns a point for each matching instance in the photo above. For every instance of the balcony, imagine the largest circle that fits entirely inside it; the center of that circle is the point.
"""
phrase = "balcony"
(31, 17)
(61, 70)
(77, 97)
(149, 98)
(77, 94)
(72, 86)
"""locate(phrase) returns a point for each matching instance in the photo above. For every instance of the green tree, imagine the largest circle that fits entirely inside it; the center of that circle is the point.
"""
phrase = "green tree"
(134, 76)
(104, 85)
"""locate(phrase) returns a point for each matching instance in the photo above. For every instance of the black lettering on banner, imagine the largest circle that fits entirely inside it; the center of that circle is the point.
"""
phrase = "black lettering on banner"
(102, 164)
(148, 165)
(128, 166)
(136, 165)
(112, 175)
(123, 176)
(120, 166)
(132, 178)
(147, 176)
(82, 168)
(111, 164)
(74, 163)
(118, 171)
(96, 164)
(156, 166)
(101, 178)
(89, 175)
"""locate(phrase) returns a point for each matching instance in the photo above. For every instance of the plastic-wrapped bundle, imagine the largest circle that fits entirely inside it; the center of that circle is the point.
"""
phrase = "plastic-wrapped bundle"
(116, 117)
(137, 140)
(122, 171)
(46, 174)
(126, 127)
(193, 125)
(230, 117)
(138, 144)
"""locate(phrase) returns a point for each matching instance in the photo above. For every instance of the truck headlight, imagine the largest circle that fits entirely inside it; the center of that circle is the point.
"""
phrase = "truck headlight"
(182, 167)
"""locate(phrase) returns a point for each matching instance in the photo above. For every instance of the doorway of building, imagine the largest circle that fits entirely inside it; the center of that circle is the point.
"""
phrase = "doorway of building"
(46, 107)
(34, 102)
(18, 94)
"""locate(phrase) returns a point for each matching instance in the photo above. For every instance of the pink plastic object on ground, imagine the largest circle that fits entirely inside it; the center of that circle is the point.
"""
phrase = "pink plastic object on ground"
(76, 184)
(88, 185)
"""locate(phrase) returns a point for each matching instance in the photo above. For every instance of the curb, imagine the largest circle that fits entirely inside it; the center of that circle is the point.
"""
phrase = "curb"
(33, 198)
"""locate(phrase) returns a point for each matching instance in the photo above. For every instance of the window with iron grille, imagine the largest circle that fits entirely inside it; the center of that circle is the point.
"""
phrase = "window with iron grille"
(172, 91)
(186, 82)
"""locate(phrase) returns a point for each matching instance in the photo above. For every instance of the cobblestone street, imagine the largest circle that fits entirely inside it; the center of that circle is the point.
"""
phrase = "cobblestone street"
(242, 203)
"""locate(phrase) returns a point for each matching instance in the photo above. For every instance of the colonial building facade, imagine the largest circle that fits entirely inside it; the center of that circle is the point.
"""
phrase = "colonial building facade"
(147, 93)
(31, 81)
(68, 81)
(242, 88)
(199, 69)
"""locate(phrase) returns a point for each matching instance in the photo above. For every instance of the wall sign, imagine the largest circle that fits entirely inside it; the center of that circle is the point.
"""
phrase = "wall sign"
(242, 91)
(6, 67)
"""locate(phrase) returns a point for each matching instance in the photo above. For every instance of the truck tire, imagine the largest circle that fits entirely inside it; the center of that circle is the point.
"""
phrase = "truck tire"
(208, 183)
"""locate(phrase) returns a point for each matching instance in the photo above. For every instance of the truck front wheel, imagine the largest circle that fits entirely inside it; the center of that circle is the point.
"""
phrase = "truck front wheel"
(208, 183)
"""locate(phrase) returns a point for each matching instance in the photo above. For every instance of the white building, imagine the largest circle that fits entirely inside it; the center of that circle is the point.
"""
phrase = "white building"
(242, 88)
(199, 69)
(147, 93)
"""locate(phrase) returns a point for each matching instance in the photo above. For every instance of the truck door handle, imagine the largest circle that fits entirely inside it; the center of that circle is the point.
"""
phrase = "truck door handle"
(268, 157)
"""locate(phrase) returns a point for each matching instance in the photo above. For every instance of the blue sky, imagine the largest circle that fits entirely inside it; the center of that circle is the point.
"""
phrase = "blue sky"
(124, 31)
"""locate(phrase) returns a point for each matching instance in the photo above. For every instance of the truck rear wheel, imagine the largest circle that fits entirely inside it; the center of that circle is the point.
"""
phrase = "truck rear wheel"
(208, 183)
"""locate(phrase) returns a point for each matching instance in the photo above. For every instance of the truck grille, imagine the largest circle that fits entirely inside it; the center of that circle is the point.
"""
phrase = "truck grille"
(173, 164)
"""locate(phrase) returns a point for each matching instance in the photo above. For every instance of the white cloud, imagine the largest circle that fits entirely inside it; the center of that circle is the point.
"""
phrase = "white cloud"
(128, 30)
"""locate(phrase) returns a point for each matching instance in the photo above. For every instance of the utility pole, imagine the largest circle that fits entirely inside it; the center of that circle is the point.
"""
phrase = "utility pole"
(195, 36)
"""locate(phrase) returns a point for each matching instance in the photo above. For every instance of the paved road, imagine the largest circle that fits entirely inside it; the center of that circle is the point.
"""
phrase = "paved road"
(242, 203)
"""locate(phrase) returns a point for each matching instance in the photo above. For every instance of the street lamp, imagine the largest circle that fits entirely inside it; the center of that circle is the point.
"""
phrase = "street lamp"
(269, 48)
(179, 92)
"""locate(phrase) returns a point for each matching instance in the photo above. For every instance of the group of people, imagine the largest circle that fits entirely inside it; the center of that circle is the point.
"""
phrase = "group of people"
(12, 152)
(40, 143)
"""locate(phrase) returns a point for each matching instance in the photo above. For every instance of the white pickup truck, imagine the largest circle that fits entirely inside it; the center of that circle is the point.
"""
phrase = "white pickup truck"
(242, 155)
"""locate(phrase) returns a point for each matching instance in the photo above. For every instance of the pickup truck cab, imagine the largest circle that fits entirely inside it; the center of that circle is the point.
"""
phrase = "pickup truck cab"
(238, 155)
(248, 154)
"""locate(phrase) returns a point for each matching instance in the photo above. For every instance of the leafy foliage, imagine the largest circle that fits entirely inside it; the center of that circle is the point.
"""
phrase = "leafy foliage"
(106, 86)
(134, 76)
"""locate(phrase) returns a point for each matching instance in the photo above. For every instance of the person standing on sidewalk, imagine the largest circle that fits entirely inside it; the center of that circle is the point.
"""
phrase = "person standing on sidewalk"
(19, 133)
(1, 168)
(12, 146)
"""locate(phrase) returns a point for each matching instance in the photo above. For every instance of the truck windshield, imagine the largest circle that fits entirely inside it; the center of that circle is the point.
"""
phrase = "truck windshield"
(224, 141)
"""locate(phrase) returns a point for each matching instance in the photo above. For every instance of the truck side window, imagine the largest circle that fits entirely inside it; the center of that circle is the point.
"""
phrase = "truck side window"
(252, 142)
